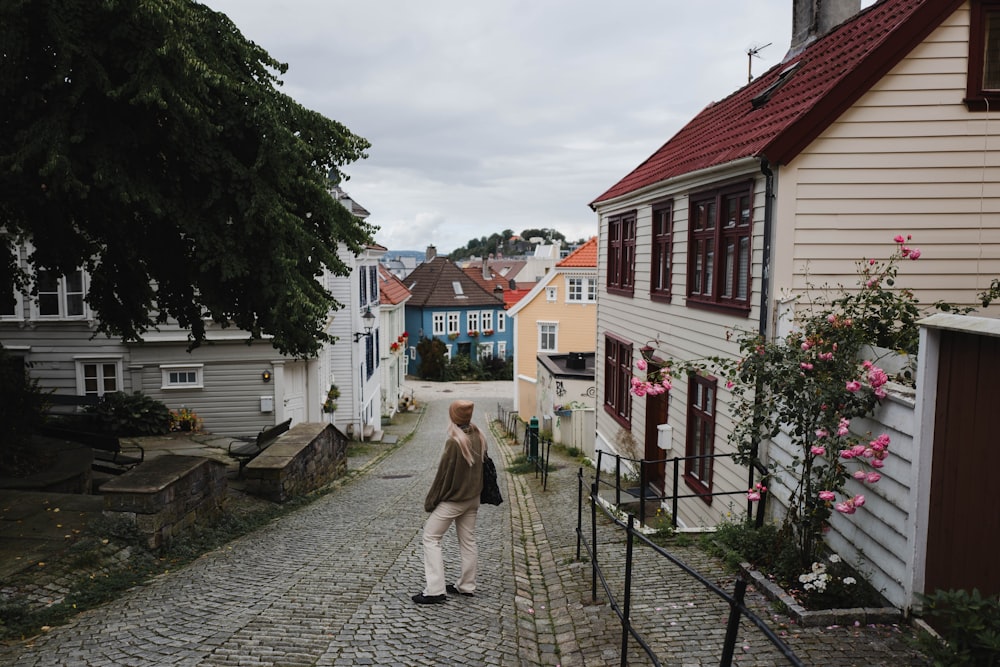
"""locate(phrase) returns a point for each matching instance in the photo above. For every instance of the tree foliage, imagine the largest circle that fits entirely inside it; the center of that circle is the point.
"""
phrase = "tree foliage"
(505, 244)
(147, 141)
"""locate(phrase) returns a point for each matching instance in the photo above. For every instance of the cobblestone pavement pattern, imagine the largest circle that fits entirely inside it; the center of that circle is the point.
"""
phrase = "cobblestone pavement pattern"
(330, 585)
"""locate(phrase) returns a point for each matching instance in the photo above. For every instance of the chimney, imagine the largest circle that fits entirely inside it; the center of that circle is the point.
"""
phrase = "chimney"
(811, 19)
(486, 268)
(431, 253)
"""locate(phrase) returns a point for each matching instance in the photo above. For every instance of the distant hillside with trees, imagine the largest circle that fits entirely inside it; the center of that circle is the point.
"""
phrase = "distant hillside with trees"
(508, 244)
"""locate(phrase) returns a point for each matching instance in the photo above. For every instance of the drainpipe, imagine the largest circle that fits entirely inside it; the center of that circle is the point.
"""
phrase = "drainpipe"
(765, 289)
(765, 274)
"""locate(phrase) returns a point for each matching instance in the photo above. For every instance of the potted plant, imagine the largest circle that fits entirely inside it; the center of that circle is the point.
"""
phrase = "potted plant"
(330, 404)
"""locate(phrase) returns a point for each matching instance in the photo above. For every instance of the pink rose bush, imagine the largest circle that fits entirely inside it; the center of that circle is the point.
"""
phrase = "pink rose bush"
(807, 388)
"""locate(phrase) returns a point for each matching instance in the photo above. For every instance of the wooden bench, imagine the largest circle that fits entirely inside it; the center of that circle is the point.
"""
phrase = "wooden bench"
(68, 423)
(245, 451)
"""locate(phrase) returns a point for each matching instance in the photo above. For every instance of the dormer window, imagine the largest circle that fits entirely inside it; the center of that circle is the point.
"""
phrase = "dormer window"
(762, 97)
(983, 88)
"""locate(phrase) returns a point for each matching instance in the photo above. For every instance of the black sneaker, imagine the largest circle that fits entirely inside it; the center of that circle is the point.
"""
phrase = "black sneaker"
(420, 598)
(451, 588)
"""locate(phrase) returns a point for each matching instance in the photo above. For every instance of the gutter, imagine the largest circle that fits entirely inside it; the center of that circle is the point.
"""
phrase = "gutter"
(765, 273)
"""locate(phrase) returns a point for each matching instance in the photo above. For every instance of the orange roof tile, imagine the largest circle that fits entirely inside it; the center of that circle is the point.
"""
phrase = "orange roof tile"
(584, 256)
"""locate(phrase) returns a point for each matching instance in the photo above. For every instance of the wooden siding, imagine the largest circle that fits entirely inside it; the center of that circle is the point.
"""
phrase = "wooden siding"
(52, 347)
(680, 332)
(908, 158)
(229, 401)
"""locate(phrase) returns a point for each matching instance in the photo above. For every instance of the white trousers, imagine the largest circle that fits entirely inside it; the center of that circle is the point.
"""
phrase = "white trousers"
(463, 515)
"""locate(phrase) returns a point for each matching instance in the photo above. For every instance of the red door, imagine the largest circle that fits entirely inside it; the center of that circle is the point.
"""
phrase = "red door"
(963, 532)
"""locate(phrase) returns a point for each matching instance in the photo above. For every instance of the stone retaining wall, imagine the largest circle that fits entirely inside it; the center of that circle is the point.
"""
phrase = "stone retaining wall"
(165, 495)
(304, 459)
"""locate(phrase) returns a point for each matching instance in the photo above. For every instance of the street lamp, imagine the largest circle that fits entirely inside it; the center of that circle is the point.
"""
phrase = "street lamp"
(369, 321)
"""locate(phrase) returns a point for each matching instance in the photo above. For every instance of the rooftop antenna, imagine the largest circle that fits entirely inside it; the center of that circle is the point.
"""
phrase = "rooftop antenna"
(753, 52)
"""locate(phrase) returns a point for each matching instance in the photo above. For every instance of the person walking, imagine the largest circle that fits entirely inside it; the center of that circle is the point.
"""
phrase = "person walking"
(454, 498)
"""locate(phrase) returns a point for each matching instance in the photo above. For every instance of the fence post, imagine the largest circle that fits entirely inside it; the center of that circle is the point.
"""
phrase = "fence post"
(593, 542)
(579, 511)
(642, 492)
(618, 480)
(734, 623)
(627, 602)
(673, 504)
(533, 439)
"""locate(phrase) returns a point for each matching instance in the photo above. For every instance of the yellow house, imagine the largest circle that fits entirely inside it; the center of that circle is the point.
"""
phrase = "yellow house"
(559, 315)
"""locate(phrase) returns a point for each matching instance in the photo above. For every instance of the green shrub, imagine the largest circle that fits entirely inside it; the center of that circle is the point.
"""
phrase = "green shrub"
(969, 624)
(828, 583)
(131, 414)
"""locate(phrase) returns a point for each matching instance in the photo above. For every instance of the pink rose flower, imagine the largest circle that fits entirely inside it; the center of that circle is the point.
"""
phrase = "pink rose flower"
(899, 238)
(915, 253)
(853, 386)
(817, 450)
(845, 508)
(827, 495)
(641, 364)
(873, 477)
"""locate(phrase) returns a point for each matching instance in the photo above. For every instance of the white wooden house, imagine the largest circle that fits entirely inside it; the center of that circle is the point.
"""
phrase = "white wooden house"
(880, 126)
(235, 388)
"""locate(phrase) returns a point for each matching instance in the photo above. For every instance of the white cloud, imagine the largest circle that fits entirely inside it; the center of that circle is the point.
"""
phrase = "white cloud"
(508, 114)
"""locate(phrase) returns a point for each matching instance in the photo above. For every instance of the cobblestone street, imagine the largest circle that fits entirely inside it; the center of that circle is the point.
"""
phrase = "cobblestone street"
(330, 584)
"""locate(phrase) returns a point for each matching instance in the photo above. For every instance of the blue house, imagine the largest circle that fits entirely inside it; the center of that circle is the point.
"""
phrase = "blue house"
(449, 305)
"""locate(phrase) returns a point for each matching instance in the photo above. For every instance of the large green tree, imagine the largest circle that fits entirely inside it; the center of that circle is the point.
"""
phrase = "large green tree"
(147, 141)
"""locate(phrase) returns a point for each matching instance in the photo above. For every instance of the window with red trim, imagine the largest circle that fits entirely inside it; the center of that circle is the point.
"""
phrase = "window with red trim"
(721, 227)
(983, 88)
(700, 443)
(621, 254)
(661, 265)
(618, 380)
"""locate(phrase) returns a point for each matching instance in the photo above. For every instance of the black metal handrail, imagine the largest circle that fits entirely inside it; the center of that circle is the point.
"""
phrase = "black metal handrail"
(735, 601)
(675, 496)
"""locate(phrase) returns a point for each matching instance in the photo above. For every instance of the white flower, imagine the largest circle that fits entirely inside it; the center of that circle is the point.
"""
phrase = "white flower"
(834, 558)
(850, 580)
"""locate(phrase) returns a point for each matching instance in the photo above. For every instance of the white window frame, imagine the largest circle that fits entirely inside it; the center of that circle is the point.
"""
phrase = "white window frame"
(62, 296)
(546, 329)
(485, 351)
(487, 319)
(454, 322)
(168, 370)
(437, 324)
(501, 321)
(502, 349)
(83, 361)
(551, 294)
(472, 321)
(580, 289)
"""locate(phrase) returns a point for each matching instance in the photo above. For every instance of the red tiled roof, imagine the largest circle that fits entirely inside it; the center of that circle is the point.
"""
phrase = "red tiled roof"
(584, 256)
(390, 288)
(512, 296)
(830, 75)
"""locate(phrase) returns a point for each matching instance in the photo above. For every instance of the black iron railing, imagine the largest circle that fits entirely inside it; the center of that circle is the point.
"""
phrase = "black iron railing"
(622, 606)
(646, 492)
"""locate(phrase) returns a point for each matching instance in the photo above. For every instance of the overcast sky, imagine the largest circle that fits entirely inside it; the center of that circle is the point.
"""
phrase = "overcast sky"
(487, 115)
